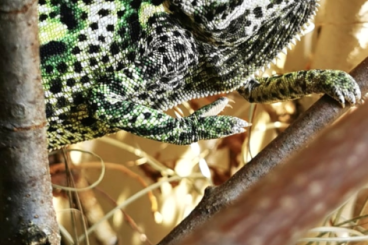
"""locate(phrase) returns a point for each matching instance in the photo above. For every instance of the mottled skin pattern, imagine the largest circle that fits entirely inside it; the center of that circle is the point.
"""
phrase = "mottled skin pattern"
(110, 65)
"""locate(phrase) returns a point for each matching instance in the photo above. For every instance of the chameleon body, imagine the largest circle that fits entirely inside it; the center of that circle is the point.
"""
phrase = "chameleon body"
(110, 65)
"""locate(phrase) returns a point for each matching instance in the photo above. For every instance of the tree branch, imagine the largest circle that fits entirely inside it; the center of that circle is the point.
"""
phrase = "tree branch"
(296, 195)
(27, 215)
(292, 140)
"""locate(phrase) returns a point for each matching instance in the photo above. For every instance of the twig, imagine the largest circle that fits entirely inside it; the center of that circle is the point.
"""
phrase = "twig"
(321, 114)
(280, 207)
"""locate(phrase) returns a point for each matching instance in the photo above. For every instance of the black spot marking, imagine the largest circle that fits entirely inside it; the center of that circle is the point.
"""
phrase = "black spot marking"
(157, 2)
(52, 15)
(114, 48)
(221, 9)
(101, 39)
(135, 27)
(63, 116)
(166, 61)
(61, 102)
(179, 48)
(258, 13)
(62, 67)
(70, 82)
(135, 4)
(121, 13)
(52, 48)
(159, 30)
(131, 56)
(120, 66)
(49, 110)
(76, 50)
(49, 69)
(56, 86)
(209, 16)
(85, 79)
(103, 12)
(93, 62)
(94, 26)
(82, 37)
(68, 17)
(149, 39)
(92, 49)
(143, 96)
(110, 28)
(152, 20)
(105, 59)
(88, 121)
(147, 115)
(55, 2)
(77, 66)
(164, 38)
(78, 98)
(161, 49)
(198, 19)
(176, 34)
(42, 17)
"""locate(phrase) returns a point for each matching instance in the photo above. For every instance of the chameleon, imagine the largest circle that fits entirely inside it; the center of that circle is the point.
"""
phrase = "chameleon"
(110, 65)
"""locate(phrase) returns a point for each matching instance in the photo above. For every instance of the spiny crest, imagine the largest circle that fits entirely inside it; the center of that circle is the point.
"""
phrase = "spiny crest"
(274, 27)
(238, 38)
(285, 28)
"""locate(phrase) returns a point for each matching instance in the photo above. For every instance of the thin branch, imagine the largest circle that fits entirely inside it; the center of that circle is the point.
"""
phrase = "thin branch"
(292, 140)
(280, 207)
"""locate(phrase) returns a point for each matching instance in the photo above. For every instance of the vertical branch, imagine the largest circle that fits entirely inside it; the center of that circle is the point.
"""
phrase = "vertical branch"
(26, 214)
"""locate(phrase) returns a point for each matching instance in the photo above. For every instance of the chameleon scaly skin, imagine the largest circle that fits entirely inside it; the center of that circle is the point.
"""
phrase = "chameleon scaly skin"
(110, 65)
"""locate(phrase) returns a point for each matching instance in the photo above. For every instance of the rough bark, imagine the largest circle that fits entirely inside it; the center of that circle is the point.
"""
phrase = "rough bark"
(320, 115)
(26, 215)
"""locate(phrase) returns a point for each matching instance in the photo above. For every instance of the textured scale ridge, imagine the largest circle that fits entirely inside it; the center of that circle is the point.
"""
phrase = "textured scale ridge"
(110, 65)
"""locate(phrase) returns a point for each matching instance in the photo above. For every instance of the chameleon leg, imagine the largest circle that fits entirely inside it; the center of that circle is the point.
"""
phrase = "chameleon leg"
(337, 84)
(154, 124)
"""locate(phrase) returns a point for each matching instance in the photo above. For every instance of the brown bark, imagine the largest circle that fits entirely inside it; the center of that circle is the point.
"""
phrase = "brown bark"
(321, 114)
(27, 215)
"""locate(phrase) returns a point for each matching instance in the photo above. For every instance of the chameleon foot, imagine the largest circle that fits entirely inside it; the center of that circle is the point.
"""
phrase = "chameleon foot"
(337, 84)
(154, 124)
